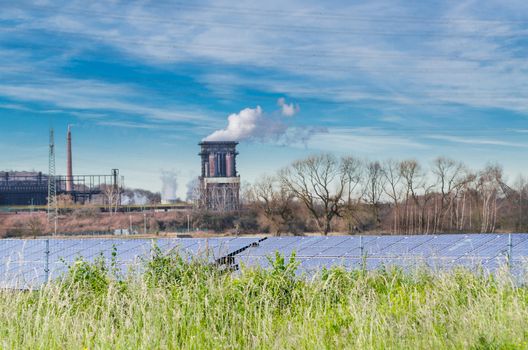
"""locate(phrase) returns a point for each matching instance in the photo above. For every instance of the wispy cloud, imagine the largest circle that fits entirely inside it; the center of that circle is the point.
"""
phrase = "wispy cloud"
(78, 96)
(354, 54)
(131, 125)
(369, 141)
(477, 141)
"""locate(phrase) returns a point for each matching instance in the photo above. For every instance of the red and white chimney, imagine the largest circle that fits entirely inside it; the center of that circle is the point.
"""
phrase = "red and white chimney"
(69, 165)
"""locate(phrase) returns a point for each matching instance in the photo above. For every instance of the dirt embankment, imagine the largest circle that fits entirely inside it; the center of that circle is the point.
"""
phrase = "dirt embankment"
(89, 222)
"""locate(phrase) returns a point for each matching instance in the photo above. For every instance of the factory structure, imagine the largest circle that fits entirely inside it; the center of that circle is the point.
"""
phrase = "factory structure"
(219, 181)
(23, 188)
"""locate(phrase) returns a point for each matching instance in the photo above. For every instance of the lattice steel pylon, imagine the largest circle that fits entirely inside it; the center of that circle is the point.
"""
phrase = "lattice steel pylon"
(52, 183)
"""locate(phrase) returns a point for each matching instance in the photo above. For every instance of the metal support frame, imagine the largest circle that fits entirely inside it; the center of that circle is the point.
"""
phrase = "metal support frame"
(38, 188)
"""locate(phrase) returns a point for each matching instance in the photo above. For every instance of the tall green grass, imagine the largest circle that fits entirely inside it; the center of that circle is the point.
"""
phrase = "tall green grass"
(177, 304)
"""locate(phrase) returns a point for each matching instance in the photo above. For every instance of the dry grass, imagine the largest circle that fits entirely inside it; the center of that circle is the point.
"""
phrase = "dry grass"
(180, 305)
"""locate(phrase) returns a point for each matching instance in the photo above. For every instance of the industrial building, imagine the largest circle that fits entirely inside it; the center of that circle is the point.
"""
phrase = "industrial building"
(31, 188)
(219, 182)
(21, 188)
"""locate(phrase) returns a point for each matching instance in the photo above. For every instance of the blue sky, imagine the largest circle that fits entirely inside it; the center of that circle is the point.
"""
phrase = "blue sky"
(142, 82)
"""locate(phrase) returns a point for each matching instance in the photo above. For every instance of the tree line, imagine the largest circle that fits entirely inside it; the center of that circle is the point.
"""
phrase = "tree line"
(326, 193)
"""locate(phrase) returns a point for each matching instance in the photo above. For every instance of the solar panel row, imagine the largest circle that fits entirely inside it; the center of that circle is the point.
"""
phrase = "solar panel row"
(487, 251)
(23, 263)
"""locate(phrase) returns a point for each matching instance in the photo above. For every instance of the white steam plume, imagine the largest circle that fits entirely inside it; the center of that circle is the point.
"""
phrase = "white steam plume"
(254, 124)
(240, 126)
(288, 110)
(169, 187)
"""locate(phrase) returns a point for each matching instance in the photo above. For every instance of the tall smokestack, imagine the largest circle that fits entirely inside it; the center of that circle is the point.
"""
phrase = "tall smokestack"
(69, 166)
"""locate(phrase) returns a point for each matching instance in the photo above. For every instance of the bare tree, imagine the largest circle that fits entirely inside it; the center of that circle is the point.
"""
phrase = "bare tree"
(221, 198)
(194, 189)
(451, 176)
(35, 226)
(489, 185)
(410, 172)
(275, 202)
(374, 184)
(521, 186)
(393, 189)
(345, 193)
(352, 169)
(319, 183)
(64, 202)
(419, 191)
(111, 195)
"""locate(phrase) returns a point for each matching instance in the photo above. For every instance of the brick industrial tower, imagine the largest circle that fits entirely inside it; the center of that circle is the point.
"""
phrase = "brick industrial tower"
(69, 165)
(219, 183)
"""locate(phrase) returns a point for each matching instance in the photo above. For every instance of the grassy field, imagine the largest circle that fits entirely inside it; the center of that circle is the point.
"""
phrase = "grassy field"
(175, 304)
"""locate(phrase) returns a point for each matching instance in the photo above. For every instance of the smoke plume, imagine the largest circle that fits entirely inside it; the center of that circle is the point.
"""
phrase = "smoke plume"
(254, 124)
(240, 126)
(169, 185)
(193, 190)
(288, 110)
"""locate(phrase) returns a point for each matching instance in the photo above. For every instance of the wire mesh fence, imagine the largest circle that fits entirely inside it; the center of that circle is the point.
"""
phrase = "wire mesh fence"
(28, 264)
(485, 252)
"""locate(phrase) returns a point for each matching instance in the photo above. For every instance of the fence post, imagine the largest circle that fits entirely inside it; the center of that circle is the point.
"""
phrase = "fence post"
(47, 252)
(510, 250)
(153, 246)
(362, 254)
(361, 246)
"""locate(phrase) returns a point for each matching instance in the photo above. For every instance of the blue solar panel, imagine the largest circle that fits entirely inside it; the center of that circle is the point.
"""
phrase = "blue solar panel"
(380, 262)
(22, 262)
(521, 248)
(467, 245)
(321, 246)
(496, 263)
(283, 245)
(499, 246)
(379, 243)
(436, 251)
(252, 261)
(317, 264)
(339, 251)
(436, 245)
(406, 246)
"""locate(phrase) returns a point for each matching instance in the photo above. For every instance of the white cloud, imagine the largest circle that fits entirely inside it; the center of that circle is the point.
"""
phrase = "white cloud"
(288, 110)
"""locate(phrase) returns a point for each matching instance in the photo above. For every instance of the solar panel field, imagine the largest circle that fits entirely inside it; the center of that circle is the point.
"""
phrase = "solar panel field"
(27, 264)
